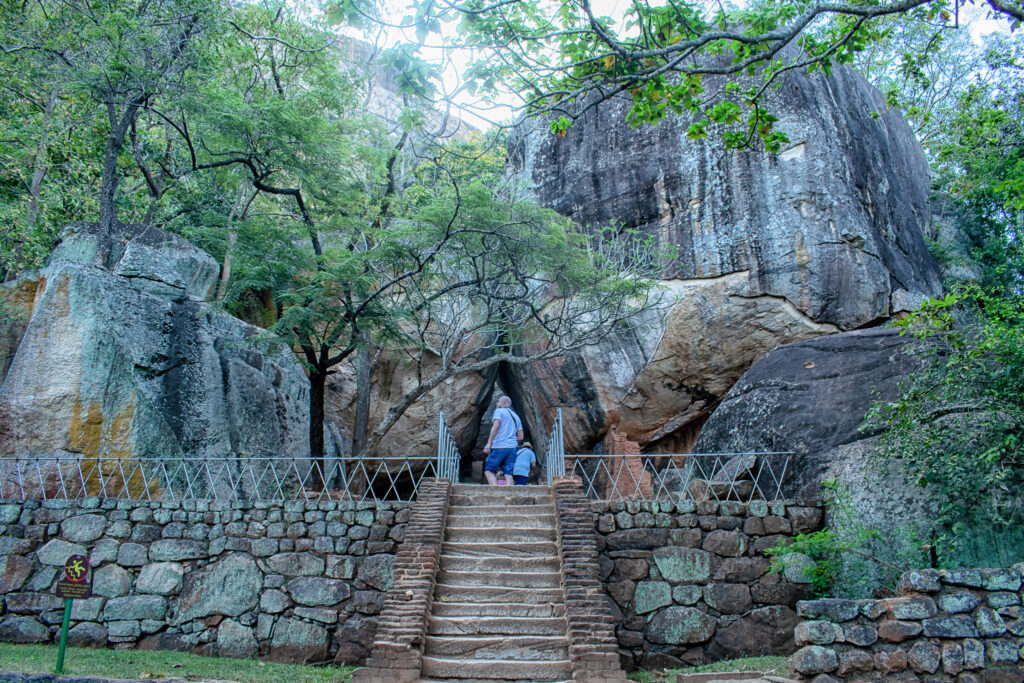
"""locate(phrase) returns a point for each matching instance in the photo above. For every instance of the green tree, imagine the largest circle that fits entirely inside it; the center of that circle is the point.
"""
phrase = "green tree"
(959, 425)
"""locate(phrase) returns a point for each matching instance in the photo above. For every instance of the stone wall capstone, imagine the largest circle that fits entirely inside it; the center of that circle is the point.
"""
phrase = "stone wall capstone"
(690, 582)
(288, 581)
(962, 625)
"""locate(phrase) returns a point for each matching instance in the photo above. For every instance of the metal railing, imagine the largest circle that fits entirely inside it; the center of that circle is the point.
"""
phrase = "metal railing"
(448, 455)
(220, 479)
(554, 456)
(682, 477)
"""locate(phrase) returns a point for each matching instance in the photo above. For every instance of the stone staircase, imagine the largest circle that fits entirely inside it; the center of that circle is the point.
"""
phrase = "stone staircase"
(498, 610)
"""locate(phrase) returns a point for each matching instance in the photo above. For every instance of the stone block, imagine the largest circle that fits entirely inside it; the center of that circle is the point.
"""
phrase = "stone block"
(861, 635)
(921, 581)
(111, 581)
(56, 552)
(177, 549)
(32, 603)
(958, 603)
(956, 626)
(315, 591)
(235, 640)
(132, 555)
(86, 610)
(83, 528)
(989, 623)
(1002, 651)
(677, 625)
(651, 595)
(135, 607)
(974, 654)
(924, 657)
(814, 633)
(853, 661)
(687, 595)
(14, 572)
(160, 578)
(230, 586)
(296, 564)
(377, 571)
(1000, 579)
(952, 657)
(891, 661)
(87, 634)
(123, 631)
(728, 598)
(297, 642)
(725, 543)
(683, 565)
(103, 551)
(814, 659)
(892, 631)
(833, 609)
(23, 630)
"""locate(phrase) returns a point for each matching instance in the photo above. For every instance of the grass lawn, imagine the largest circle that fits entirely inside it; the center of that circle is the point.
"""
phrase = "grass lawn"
(776, 666)
(159, 664)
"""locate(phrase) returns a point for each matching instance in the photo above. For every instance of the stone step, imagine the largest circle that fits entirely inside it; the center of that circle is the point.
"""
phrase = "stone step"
(495, 609)
(499, 579)
(503, 520)
(481, 680)
(489, 594)
(500, 509)
(470, 489)
(490, 498)
(454, 534)
(495, 626)
(516, 648)
(495, 670)
(522, 565)
(485, 549)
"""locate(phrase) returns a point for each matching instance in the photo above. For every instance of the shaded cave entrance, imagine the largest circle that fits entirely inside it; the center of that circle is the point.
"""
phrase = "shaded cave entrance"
(500, 380)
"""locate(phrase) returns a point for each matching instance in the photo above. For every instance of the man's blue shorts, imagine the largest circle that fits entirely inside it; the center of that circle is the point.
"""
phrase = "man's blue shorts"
(503, 459)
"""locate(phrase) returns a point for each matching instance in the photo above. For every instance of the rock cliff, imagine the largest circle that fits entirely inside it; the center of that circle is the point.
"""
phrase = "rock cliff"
(129, 361)
(772, 249)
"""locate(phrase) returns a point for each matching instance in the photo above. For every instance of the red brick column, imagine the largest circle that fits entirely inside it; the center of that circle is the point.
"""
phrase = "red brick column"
(593, 649)
(398, 648)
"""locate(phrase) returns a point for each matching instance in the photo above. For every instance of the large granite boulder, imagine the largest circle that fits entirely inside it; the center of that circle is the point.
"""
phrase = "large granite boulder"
(126, 361)
(826, 236)
(811, 398)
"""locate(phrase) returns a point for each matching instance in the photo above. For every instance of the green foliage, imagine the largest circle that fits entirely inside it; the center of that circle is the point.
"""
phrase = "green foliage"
(849, 558)
(959, 424)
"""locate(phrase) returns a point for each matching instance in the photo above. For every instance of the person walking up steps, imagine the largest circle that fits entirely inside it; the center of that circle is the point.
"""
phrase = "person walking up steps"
(506, 433)
(524, 464)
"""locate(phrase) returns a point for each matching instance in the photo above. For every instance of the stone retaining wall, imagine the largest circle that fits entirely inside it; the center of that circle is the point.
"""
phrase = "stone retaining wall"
(946, 625)
(291, 581)
(690, 583)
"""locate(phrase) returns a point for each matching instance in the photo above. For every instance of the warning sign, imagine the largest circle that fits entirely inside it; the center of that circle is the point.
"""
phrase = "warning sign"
(75, 584)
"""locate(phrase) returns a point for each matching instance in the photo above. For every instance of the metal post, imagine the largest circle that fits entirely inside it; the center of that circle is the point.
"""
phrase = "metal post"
(63, 636)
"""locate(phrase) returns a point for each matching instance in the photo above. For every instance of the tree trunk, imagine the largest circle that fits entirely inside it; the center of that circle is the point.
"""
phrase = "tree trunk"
(317, 386)
(36, 186)
(361, 428)
(225, 271)
(111, 178)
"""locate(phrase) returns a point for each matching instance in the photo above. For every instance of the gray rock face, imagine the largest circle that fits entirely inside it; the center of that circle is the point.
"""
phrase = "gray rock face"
(230, 587)
(824, 237)
(23, 630)
(810, 398)
(834, 224)
(110, 366)
(83, 528)
(160, 578)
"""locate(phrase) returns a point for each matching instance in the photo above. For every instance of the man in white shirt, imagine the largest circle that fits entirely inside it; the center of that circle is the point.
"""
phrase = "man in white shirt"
(506, 433)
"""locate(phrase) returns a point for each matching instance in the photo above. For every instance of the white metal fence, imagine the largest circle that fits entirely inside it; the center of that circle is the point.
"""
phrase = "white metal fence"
(221, 479)
(682, 477)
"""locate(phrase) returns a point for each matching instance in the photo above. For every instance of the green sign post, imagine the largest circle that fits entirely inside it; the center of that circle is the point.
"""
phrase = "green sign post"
(74, 585)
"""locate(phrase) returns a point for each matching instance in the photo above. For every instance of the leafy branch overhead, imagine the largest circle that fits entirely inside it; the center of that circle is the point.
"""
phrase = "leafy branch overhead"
(708, 61)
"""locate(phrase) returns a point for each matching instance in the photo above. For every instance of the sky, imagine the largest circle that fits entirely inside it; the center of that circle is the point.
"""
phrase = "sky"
(975, 15)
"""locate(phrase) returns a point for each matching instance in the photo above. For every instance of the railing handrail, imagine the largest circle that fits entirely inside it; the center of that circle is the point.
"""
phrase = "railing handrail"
(675, 455)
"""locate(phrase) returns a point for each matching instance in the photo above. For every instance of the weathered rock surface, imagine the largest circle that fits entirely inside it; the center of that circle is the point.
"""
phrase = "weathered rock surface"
(826, 236)
(128, 362)
(811, 398)
(230, 587)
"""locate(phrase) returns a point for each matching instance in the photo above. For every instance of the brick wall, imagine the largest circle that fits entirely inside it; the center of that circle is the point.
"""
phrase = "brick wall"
(592, 647)
(961, 625)
(398, 647)
(290, 581)
(690, 583)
